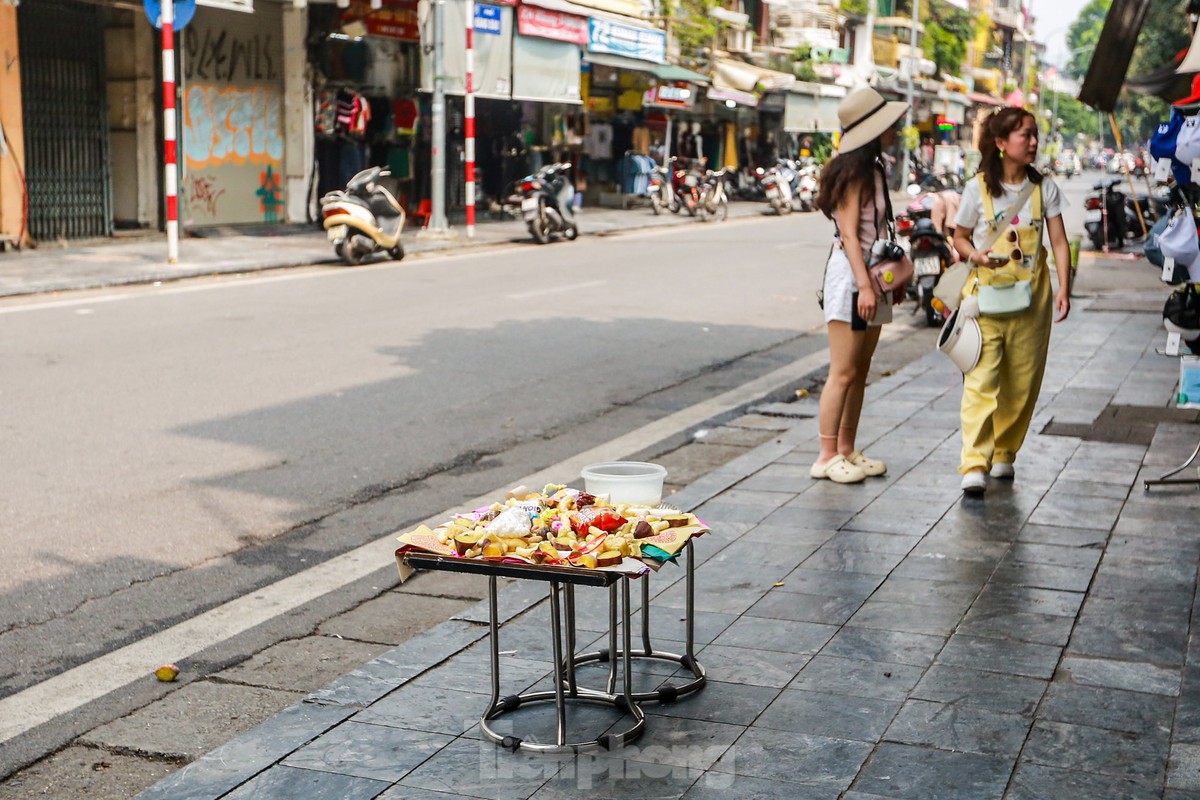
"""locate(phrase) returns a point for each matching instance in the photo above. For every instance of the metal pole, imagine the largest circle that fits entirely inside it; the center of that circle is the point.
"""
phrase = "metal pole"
(171, 172)
(912, 68)
(437, 200)
(469, 124)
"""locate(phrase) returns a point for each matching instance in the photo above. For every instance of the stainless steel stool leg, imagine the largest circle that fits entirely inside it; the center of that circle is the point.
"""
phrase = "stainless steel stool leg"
(1166, 479)
(686, 660)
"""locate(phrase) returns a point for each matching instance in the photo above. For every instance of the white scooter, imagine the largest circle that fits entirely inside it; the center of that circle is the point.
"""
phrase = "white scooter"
(364, 219)
(810, 182)
(778, 184)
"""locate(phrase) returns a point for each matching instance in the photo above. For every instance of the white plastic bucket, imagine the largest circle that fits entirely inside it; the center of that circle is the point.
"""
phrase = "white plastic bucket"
(633, 482)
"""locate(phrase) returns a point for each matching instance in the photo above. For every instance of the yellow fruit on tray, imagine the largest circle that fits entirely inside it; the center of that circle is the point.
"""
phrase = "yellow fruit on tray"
(466, 540)
(609, 558)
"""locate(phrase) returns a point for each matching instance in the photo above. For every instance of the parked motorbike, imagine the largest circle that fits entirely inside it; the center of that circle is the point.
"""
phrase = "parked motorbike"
(930, 254)
(660, 192)
(363, 219)
(748, 184)
(547, 198)
(779, 183)
(1109, 215)
(713, 203)
(685, 183)
(808, 184)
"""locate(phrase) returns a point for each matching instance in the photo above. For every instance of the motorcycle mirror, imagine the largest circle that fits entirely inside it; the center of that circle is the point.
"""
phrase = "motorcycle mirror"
(913, 190)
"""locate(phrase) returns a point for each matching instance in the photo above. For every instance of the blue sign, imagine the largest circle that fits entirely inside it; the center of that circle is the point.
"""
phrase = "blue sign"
(184, 9)
(487, 19)
(606, 36)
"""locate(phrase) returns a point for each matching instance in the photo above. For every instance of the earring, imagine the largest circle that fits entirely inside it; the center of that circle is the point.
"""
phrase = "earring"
(1001, 155)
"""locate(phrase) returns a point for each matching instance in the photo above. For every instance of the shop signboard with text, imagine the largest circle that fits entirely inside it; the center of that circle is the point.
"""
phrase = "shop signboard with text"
(547, 24)
(615, 38)
(677, 95)
(395, 19)
(487, 19)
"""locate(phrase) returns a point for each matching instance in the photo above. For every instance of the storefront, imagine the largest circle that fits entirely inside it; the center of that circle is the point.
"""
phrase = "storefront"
(753, 99)
(232, 147)
(620, 59)
(367, 111)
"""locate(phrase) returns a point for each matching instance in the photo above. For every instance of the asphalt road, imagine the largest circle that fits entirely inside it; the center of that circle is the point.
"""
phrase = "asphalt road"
(170, 448)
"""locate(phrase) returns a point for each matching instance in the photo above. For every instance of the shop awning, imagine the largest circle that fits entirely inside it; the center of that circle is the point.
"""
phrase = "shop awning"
(984, 99)
(493, 55)
(812, 108)
(621, 62)
(545, 70)
(743, 77)
(670, 72)
(804, 113)
(733, 95)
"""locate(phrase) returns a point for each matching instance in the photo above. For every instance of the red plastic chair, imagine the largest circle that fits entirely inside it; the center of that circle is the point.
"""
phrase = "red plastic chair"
(424, 209)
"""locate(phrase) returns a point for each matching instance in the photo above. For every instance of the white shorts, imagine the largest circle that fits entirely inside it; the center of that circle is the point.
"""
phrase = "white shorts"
(840, 288)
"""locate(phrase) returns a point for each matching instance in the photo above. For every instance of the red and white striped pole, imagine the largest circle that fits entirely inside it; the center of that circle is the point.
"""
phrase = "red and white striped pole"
(469, 121)
(171, 178)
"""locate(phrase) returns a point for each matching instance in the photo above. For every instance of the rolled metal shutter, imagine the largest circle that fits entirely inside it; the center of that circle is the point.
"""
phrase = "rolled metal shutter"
(66, 119)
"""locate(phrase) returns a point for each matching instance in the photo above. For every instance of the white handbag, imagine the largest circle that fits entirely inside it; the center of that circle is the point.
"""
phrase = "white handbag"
(1179, 239)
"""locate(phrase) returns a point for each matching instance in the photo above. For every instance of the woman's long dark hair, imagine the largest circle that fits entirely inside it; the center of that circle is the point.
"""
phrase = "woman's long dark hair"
(846, 171)
(998, 126)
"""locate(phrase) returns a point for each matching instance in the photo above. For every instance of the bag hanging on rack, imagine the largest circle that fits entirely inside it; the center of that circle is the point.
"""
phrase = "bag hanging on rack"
(1181, 312)
(1179, 239)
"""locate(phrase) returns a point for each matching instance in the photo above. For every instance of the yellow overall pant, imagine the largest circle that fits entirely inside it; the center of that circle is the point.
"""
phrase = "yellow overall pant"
(999, 395)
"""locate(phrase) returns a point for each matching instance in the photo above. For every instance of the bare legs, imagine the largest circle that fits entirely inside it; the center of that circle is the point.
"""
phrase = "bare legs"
(850, 354)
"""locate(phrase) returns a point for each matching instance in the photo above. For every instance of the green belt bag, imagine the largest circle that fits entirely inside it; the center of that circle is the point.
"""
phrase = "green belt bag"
(1005, 295)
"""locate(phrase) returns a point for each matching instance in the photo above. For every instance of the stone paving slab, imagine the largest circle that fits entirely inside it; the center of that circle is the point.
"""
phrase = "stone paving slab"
(889, 640)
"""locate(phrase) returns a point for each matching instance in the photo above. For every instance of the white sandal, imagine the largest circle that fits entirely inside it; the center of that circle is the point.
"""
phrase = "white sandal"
(871, 466)
(838, 470)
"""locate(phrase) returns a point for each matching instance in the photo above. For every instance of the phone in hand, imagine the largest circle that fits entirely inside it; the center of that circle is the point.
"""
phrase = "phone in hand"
(857, 323)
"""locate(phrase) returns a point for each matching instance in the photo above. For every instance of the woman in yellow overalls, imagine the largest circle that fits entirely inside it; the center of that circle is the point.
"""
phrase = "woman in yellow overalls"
(1000, 393)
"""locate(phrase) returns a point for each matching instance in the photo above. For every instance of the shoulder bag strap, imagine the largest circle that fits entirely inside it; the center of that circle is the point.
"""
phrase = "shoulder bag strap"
(1010, 214)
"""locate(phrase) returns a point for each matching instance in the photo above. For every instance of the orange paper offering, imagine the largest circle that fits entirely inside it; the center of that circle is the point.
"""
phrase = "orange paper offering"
(561, 527)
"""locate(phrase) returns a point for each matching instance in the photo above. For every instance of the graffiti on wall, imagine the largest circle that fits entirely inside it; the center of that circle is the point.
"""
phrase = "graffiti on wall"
(203, 193)
(231, 125)
(269, 193)
(216, 54)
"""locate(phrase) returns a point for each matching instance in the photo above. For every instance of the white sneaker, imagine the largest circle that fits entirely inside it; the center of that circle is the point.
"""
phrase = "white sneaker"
(1003, 470)
(975, 482)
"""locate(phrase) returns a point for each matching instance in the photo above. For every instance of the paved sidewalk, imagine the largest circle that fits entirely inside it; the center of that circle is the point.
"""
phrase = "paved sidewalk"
(51, 268)
(886, 640)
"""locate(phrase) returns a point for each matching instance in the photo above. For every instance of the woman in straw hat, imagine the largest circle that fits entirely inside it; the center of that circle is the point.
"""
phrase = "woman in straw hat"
(854, 195)
(1000, 393)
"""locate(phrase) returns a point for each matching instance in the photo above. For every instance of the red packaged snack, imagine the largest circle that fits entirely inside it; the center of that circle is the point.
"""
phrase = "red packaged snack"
(597, 517)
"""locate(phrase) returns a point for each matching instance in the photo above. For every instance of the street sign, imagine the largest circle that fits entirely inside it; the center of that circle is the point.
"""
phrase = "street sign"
(184, 9)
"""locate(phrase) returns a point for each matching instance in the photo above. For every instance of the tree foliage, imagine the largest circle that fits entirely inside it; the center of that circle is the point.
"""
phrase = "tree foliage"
(694, 29)
(1164, 33)
(1083, 35)
(947, 32)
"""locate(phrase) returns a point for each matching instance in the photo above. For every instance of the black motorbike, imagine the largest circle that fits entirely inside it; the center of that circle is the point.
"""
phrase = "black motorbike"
(547, 203)
(1110, 218)
(930, 254)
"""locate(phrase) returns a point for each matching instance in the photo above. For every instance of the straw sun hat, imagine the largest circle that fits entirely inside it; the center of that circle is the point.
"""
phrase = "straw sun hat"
(864, 116)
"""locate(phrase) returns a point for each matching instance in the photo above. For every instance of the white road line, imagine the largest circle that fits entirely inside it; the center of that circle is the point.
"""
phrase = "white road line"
(76, 687)
(574, 287)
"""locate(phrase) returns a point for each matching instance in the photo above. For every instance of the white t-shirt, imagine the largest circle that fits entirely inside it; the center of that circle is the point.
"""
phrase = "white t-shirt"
(971, 213)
